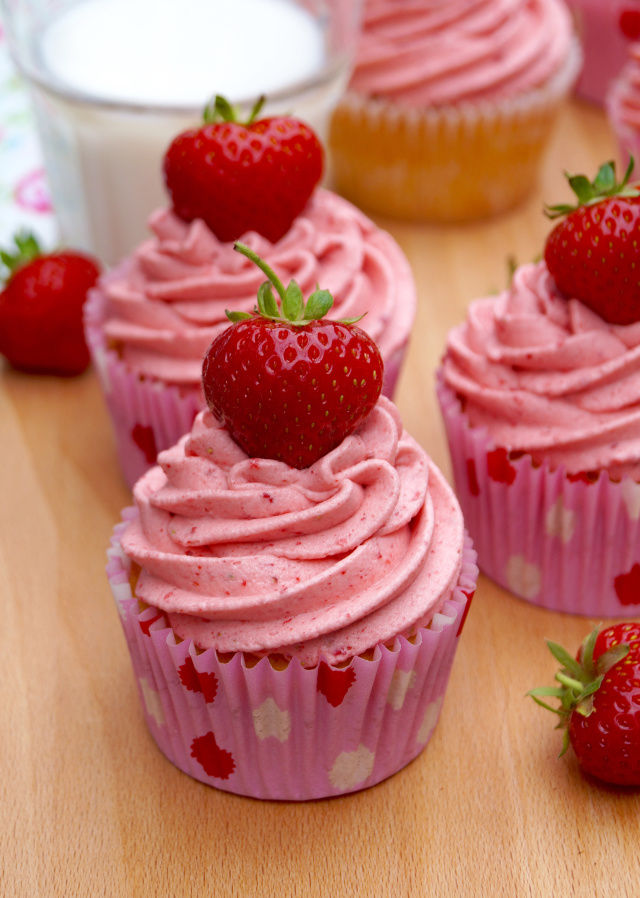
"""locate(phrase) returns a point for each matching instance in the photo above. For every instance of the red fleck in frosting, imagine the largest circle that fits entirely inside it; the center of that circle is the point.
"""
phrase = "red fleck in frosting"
(446, 52)
(547, 376)
(167, 302)
(252, 555)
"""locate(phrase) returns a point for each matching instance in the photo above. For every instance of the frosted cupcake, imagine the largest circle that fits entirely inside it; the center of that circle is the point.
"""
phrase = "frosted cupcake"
(150, 320)
(292, 629)
(451, 105)
(623, 105)
(541, 400)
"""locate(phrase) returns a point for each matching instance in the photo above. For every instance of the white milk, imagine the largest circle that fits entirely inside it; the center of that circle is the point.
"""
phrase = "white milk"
(120, 78)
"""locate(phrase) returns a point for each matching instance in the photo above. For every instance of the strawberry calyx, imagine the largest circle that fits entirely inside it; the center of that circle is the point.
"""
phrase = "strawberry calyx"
(589, 192)
(219, 109)
(579, 679)
(27, 249)
(293, 309)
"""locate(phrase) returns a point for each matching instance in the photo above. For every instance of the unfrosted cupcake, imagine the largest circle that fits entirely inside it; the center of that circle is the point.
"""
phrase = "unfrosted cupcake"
(540, 393)
(292, 623)
(605, 28)
(151, 320)
(451, 105)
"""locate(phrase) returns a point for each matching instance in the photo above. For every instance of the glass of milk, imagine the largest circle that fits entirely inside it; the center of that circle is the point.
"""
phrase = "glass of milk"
(113, 81)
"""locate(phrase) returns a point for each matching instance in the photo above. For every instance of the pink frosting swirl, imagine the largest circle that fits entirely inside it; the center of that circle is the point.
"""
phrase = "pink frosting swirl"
(167, 302)
(547, 376)
(248, 554)
(444, 52)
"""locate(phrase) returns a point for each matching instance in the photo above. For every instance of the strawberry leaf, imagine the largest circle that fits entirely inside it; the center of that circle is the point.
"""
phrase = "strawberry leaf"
(605, 180)
(293, 302)
(237, 316)
(219, 109)
(563, 656)
(267, 304)
(611, 657)
(223, 110)
(27, 247)
(582, 187)
(318, 304)
(256, 109)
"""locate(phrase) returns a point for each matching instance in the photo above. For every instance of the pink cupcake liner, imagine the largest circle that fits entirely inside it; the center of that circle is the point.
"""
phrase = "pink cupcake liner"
(626, 133)
(563, 543)
(292, 734)
(604, 45)
(149, 415)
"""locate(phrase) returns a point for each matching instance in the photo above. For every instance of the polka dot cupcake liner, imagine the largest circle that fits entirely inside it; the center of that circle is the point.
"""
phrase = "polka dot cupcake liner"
(149, 415)
(295, 733)
(565, 542)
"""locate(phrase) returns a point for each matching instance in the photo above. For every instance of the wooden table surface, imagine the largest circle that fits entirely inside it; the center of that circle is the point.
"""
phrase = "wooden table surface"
(90, 807)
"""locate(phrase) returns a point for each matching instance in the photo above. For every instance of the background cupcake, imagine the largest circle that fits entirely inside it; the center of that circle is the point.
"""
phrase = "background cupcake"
(451, 104)
(540, 393)
(605, 28)
(151, 320)
(623, 105)
(292, 628)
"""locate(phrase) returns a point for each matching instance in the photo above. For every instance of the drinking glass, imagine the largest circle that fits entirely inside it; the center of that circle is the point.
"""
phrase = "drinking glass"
(113, 81)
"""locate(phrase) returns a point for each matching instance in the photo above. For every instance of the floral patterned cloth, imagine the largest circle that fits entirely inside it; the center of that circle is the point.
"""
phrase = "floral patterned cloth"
(24, 196)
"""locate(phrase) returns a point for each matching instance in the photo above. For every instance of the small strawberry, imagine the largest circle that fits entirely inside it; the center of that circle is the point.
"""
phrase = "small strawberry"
(599, 696)
(292, 387)
(41, 329)
(243, 176)
(592, 254)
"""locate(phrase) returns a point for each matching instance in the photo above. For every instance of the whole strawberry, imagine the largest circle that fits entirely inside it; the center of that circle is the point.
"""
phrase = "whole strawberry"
(599, 696)
(592, 254)
(239, 177)
(290, 388)
(41, 329)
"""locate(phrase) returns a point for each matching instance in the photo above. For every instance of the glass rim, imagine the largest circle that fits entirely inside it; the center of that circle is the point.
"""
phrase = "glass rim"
(291, 92)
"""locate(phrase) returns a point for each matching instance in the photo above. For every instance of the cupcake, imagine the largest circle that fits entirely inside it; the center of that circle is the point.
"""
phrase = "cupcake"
(605, 28)
(151, 319)
(540, 393)
(292, 629)
(623, 105)
(451, 105)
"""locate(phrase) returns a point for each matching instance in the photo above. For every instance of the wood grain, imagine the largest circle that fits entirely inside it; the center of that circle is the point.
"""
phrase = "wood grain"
(90, 807)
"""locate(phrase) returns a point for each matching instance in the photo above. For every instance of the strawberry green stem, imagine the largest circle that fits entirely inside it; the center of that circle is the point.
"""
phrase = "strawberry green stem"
(295, 311)
(262, 265)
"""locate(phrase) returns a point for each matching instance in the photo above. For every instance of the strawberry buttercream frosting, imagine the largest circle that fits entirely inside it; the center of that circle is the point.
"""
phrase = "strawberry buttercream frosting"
(447, 52)
(547, 376)
(248, 554)
(165, 304)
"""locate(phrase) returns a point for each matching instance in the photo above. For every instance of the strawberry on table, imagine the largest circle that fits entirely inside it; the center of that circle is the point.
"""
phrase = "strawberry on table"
(41, 329)
(243, 176)
(593, 253)
(599, 693)
(290, 385)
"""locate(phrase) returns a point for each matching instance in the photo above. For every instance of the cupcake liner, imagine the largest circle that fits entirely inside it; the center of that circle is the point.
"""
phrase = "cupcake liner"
(564, 542)
(626, 130)
(604, 46)
(149, 415)
(295, 733)
(415, 163)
